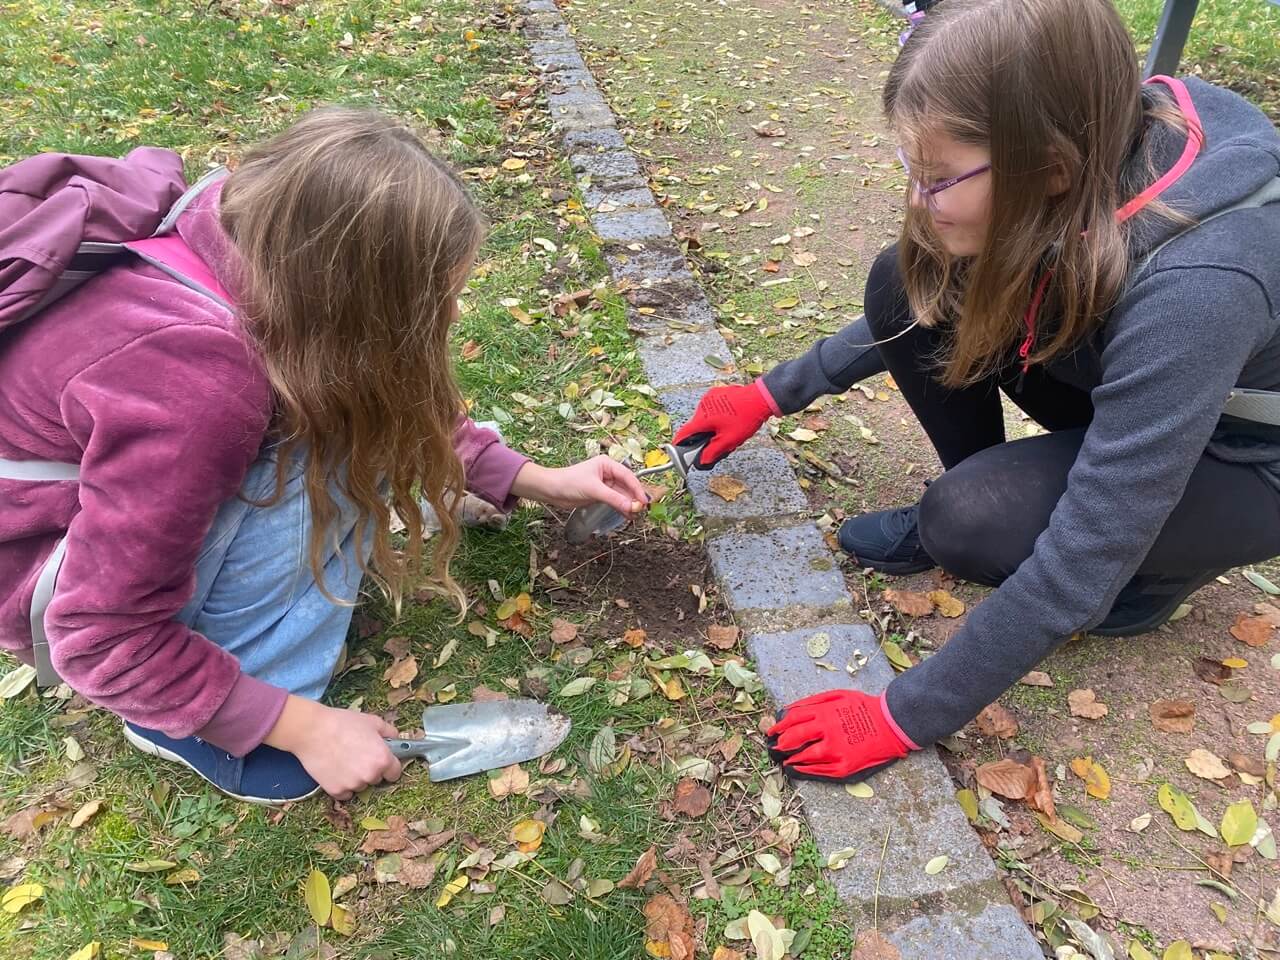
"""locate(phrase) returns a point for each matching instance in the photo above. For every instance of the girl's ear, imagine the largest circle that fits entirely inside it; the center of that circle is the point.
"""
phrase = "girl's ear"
(1059, 181)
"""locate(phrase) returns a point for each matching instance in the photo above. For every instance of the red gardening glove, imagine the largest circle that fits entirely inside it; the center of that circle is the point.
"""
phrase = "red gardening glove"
(727, 417)
(838, 735)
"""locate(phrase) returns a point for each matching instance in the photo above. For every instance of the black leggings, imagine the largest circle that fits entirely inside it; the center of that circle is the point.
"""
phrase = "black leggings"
(981, 518)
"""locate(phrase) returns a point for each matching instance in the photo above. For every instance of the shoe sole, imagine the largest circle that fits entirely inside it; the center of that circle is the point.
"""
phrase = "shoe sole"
(894, 569)
(1161, 616)
(144, 745)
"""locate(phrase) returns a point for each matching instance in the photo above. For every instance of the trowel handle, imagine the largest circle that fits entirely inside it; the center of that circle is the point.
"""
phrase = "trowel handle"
(409, 749)
(684, 454)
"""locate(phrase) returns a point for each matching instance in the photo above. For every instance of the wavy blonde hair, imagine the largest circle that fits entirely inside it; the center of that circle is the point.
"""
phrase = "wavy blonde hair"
(1051, 88)
(354, 242)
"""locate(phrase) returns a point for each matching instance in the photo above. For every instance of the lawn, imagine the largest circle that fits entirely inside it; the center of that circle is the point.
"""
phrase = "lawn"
(130, 856)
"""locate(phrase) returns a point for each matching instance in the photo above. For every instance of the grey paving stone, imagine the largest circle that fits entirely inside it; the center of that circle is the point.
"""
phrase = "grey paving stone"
(629, 197)
(625, 227)
(771, 486)
(586, 141)
(681, 403)
(679, 359)
(581, 116)
(566, 80)
(787, 567)
(673, 318)
(550, 56)
(994, 932)
(543, 26)
(614, 165)
(656, 261)
(541, 6)
(573, 97)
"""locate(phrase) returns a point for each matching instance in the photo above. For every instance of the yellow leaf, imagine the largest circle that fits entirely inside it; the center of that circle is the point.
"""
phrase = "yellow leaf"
(1138, 952)
(524, 603)
(727, 488)
(1235, 663)
(862, 791)
(319, 900)
(528, 835)
(656, 458)
(183, 876)
(342, 921)
(1096, 782)
(514, 163)
(373, 823)
(896, 657)
(1178, 950)
(83, 815)
(672, 689)
(88, 952)
(23, 895)
(137, 944)
(968, 801)
(520, 315)
(946, 604)
(452, 889)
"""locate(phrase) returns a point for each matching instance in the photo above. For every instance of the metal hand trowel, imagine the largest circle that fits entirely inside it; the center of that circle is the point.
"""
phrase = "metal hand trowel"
(600, 519)
(466, 738)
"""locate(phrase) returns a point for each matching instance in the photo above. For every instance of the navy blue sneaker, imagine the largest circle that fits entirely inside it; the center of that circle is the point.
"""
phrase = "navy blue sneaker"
(887, 540)
(265, 776)
(1149, 600)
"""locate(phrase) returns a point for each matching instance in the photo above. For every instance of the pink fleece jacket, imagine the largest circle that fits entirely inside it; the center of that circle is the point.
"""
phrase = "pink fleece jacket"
(155, 392)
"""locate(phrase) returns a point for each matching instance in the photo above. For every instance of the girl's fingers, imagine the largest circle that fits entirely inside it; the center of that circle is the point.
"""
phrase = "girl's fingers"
(617, 476)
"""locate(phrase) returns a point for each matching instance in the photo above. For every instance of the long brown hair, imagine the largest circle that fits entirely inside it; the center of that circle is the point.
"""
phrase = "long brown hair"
(1050, 88)
(354, 241)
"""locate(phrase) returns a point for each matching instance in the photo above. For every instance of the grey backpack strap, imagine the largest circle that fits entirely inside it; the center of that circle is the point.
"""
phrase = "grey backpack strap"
(184, 201)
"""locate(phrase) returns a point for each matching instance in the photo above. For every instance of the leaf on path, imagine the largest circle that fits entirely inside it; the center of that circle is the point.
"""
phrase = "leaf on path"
(1210, 670)
(1060, 828)
(872, 945)
(1268, 612)
(727, 488)
(512, 781)
(1096, 782)
(635, 638)
(1206, 765)
(1173, 716)
(1041, 797)
(863, 791)
(318, 897)
(937, 865)
(1085, 703)
(723, 637)
(562, 631)
(968, 801)
(997, 721)
(771, 942)
(818, 644)
(897, 658)
(947, 605)
(1037, 678)
(642, 871)
(1008, 778)
(1262, 583)
(1239, 824)
(1255, 631)
(1184, 813)
(1140, 823)
(1178, 950)
(1097, 944)
(691, 799)
(909, 602)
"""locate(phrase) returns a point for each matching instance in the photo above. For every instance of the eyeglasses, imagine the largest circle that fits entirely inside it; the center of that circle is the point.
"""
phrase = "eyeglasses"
(930, 192)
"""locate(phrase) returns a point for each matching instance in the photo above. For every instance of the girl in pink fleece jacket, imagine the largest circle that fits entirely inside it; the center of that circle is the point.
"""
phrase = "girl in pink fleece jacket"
(236, 470)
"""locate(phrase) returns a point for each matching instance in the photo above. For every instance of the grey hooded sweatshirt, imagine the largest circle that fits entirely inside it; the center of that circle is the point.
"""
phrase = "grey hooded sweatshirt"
(1198, 318)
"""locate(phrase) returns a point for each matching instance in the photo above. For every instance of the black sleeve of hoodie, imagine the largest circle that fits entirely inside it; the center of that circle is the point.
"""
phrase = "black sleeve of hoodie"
(1177, 343)
(832, 365)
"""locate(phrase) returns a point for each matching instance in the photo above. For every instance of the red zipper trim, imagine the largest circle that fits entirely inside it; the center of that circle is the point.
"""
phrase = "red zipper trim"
(1029, 319)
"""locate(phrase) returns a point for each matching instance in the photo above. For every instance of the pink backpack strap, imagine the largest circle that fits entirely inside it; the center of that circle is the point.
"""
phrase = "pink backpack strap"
(171, 254)
(1195, 141)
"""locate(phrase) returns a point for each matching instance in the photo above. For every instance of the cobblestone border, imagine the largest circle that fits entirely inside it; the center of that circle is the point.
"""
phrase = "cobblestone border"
(777, 573)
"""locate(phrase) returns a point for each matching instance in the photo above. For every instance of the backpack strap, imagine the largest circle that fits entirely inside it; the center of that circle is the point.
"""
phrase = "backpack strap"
(172, 255)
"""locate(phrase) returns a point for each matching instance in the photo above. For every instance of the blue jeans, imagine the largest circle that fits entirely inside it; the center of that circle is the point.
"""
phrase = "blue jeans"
(255, 593)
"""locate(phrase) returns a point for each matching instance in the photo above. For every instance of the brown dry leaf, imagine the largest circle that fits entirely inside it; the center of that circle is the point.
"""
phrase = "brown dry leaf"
(483, 694)
(562, 631)
(723, 638)
(947, 605)
(997, 721)
(1210, 670)
(1037, 678)
(1255, 631)
(872, 945)
(402, 672)
(725, 953)
(1010, 779)
(1246, 764)
(1220, 863)
(1096, 782)
(1206, 765)
(727, 488)
(512, 781)
(1085, 703)
(1268, 612)
(1173, 716)
(417, 874)
(471, 350)
(635, 638)
(691, 798)
(642, 871)
(668, 928)
(390, 840)
(23, 823)
(910, 602)
(1041, 797)
(398, 647)
(85, 813)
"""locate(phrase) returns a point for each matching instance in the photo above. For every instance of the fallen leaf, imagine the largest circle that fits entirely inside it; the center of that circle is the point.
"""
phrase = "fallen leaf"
(562, 631)
(85, 813)
(1179, 806)
(182, 877)
(318, 896)
(1096, 782)
(818, 644)
(1008, 778)
(150, 866)
(863, 791)
(1268, 612)
(727, 488)
(947, 605)
(725, 953)
(401, 672)
(937, 865)
(1041, 797)
(1248, 765)
(512, 781)
(691, 799)
(909, 602)
(1140, 823)
(1037, 678)
(16, 680)
(1210, 670)
(19, 897)
(635, 638)
(1239, 824)
(668, 928)
(342, 920)
(451, 890)
(1085, 703)
(723, 637)
(528, 835)
(514, 163)
(1173, 716)
(997, 721)
(1255, 631)
(88, 952)
(1262, 583)
(139, 944)
(24, 823)
(1206, 765)
(872, 945)
(895, 655)
(642, 871)
(556, 893)
(578, 687)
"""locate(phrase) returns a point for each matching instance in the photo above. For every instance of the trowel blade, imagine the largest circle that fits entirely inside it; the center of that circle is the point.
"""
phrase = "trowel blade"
(466, 738)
